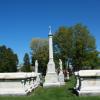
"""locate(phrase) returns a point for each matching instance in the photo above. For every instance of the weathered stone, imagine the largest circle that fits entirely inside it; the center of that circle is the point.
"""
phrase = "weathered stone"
(17, 83)
(88, 82)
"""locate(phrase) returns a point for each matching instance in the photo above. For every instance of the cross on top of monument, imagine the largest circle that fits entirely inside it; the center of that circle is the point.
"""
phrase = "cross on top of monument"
(50, 30)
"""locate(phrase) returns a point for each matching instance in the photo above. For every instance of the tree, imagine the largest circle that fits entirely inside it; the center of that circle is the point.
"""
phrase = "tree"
(77, 45)
(39, 52)
(84, 47)
(26, 66)
(63, 44)
(8, 60)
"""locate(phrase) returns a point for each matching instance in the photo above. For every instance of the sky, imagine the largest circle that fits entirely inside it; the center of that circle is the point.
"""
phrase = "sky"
(22, 20)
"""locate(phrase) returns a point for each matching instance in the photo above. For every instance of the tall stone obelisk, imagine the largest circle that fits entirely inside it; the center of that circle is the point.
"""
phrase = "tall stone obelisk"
(51, 78)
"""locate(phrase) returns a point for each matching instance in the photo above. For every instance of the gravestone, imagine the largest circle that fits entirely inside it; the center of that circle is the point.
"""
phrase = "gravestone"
(36, 71)
(88, 82)
(36, 66)
(67, 75)
(61, 75)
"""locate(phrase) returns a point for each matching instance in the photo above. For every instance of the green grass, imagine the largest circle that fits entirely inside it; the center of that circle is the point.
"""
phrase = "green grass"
(57, 93)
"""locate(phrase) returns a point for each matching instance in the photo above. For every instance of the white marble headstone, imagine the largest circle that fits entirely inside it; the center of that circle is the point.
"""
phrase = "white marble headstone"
(61, 75)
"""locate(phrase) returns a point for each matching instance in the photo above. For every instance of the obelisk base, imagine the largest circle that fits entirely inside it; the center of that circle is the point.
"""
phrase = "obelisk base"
(51, 80)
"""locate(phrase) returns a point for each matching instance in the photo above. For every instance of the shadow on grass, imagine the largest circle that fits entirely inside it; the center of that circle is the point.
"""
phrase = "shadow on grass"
(73, 91)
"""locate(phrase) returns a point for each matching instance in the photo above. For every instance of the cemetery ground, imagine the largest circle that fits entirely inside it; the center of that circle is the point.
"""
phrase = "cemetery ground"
(57, 93)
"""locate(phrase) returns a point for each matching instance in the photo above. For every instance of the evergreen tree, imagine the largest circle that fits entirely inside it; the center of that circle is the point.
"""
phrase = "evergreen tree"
(26, 65)
(8, 60)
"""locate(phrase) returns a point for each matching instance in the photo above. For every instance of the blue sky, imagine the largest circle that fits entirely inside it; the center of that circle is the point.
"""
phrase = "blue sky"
(22, 20)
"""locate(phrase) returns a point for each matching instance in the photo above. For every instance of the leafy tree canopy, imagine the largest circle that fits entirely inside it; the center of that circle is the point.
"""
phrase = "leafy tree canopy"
(76, 45)
(39, 52)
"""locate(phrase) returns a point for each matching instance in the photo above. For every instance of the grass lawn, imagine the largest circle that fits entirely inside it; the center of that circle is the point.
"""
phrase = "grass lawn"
(58, 93)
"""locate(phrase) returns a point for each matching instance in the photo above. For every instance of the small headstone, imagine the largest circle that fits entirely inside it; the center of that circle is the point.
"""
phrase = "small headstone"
(67, 75)
(36, 66)
(61, 75)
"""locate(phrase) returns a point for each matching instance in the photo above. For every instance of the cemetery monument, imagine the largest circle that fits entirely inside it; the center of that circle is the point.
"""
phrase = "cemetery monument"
(51, 78)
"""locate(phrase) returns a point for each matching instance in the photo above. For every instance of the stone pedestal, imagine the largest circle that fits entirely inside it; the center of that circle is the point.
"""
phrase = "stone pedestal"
(88, 82)
(51, 78)
(18, 83)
